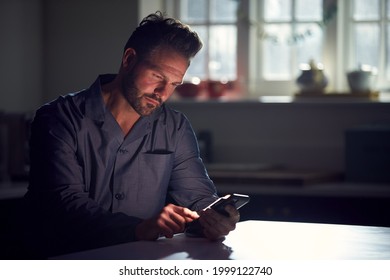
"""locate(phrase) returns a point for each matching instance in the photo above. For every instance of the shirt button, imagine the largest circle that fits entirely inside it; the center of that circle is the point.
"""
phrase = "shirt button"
(119, 196)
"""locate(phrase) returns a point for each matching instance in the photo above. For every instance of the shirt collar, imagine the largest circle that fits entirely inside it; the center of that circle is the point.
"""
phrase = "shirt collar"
(94, 104)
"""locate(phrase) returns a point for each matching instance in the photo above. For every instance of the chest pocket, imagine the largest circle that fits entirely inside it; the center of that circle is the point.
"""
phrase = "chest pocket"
(155, 169)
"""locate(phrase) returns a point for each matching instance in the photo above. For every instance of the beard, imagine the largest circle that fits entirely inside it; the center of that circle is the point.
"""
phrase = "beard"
(137, 99)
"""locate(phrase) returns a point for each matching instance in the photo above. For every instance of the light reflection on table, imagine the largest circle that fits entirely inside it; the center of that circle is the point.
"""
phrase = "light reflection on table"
(260, 240)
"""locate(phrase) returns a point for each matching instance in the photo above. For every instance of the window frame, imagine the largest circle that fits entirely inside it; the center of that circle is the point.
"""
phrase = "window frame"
(336, 50)
(383, 22)
(330, 53)
(173, 7)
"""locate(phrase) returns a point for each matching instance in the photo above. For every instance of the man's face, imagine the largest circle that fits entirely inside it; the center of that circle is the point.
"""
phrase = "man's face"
(152, 81)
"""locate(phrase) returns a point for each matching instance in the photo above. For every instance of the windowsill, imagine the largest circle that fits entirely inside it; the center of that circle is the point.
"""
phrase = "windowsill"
(323, 98)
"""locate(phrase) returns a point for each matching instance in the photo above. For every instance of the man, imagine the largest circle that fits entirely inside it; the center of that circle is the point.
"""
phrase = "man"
(105, 160)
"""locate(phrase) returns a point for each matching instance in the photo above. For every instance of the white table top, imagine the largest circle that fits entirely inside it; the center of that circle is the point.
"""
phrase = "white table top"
(260, 240)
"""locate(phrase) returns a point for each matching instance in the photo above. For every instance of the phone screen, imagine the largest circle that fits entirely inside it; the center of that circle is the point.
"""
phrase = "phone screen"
(237, 200)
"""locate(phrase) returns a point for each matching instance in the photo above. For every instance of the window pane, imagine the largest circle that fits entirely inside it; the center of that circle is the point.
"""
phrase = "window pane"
(366, 10)
(310, 47)
(308, 10)
(388, 9)
(277, 10)
(276, 56)
(388, 53)
(223, 10)
(222, 47)
(198, 64)
(367, 44)
(193, 11)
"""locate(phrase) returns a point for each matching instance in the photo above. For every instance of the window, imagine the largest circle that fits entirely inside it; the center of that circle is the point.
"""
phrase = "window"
(291, 36)
(262, 43)
(369, 41)
(285, 34)
(215, 22)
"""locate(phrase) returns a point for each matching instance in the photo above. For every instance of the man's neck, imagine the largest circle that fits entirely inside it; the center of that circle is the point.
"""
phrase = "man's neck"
(122, 111)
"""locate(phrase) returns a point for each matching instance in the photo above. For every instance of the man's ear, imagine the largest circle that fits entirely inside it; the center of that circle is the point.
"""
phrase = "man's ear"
(129, 58)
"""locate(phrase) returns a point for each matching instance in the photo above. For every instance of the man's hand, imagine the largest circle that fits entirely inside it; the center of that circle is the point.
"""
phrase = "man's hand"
(216, 225)
(171, 220)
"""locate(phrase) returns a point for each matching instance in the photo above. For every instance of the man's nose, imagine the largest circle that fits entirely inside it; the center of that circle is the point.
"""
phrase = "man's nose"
(162, 90)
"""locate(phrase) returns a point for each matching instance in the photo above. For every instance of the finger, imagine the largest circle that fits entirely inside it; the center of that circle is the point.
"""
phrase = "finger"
(214, 222)
(165, 225)
(217, 225)
(215, 231)
(189, 215)
(211, 233)
(233, 213)
(173, 218)
(182, 215)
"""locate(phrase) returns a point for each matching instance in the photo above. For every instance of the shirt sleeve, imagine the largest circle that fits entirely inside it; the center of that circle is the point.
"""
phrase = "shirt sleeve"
(59, 209)
(190, 184)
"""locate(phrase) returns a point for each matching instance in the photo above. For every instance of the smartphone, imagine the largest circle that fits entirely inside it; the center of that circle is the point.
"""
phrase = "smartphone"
(235, 199)
(194, 229)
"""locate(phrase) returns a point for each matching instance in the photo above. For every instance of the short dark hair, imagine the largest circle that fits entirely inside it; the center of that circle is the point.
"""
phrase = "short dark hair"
(157, 30)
